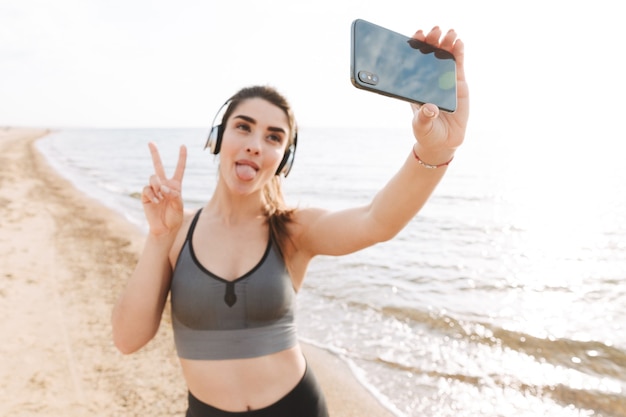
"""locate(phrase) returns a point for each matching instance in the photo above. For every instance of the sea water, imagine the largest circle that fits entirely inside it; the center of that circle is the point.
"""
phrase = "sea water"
(505, 296)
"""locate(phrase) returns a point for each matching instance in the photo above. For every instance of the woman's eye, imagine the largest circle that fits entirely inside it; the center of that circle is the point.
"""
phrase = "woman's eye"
(243, 126)
(275, 138)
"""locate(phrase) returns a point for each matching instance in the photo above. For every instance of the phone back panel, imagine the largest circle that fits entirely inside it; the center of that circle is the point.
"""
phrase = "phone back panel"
(395, 65)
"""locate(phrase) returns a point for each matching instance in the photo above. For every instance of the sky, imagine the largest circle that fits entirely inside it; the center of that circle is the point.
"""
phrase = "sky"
(157, 63)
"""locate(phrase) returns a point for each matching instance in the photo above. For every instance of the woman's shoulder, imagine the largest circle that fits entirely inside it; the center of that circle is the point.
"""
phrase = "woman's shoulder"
(303, 220)
(307, 215)
(189, 214)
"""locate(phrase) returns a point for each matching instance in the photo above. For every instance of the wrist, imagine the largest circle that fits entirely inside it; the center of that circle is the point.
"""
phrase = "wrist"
(432, 158)
(161, 238)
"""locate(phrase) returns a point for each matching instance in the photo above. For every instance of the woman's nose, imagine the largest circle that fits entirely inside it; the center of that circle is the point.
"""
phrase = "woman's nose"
(254, 145)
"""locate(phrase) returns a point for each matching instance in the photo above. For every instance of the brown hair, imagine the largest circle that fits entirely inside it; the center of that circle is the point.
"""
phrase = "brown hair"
(278, 215)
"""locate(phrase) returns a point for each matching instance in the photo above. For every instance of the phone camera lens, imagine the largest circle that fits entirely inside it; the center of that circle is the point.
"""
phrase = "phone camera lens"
(368, 77)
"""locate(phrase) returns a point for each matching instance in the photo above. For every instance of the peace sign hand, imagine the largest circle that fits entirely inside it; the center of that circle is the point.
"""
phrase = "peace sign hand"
(162, 199)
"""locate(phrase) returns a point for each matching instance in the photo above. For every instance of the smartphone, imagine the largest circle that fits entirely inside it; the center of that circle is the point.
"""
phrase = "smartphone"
(394, 65)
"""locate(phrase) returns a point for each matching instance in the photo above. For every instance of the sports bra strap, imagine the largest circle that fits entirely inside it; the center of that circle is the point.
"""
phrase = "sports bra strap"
(192, 226)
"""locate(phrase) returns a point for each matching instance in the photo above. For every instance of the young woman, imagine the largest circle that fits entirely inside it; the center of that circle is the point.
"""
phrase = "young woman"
(233, 268)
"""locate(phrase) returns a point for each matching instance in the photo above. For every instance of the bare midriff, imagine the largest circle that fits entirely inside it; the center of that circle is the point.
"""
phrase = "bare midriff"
(244, 384)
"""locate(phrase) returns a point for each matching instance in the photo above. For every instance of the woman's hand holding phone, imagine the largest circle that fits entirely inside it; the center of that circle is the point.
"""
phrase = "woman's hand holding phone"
(438, 133)
(162, 198)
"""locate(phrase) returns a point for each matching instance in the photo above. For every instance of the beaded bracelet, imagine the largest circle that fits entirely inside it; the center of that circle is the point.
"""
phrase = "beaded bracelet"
(429, 166)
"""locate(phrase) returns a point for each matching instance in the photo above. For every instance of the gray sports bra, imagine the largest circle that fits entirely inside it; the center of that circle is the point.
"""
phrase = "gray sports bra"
(214, 319)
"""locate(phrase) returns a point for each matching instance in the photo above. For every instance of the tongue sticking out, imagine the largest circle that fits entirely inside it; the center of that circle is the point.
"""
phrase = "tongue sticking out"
(245, 172)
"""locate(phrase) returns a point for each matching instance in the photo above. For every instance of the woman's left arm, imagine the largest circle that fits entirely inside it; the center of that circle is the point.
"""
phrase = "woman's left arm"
(438, 135)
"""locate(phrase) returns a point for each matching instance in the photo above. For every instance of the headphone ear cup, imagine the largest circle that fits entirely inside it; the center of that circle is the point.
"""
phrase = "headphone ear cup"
(287, 162)
(214, 142)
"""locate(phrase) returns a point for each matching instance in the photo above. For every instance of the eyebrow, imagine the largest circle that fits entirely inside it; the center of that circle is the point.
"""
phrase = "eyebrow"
(251, 120)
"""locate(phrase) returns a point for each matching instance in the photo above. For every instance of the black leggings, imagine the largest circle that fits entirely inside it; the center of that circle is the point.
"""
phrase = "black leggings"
(305, 400)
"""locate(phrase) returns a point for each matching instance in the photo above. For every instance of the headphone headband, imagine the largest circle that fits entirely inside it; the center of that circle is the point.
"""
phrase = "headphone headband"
(214, 141)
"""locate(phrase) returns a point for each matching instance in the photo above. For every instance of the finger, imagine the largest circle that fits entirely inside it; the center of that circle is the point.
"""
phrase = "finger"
(433, 36)
(156, 160)
(156, 185)
(424, 120)
(180, 166)
(419, 35)
(458, 50)
(148, 196)
(447, 42)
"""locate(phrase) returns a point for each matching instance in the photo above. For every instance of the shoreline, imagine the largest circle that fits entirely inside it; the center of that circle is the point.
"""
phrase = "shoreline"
(64, 259)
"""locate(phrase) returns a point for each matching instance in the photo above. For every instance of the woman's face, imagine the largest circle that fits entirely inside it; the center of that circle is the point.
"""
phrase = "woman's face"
(254, 142)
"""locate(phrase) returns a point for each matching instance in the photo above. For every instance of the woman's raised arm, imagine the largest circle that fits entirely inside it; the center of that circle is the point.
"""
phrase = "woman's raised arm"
(438, 135)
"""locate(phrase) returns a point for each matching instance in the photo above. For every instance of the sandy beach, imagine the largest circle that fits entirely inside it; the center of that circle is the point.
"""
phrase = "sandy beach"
(63, 261)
